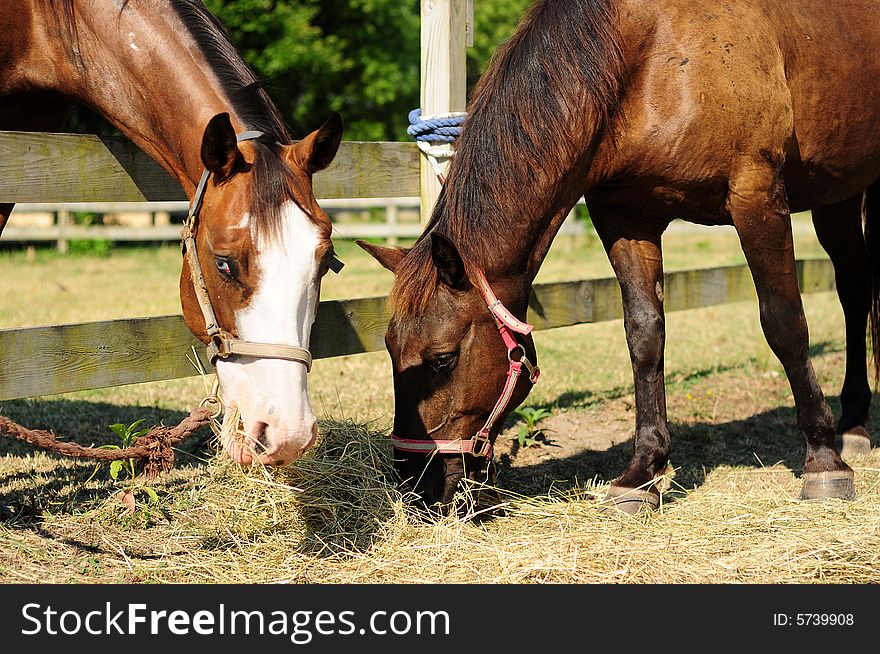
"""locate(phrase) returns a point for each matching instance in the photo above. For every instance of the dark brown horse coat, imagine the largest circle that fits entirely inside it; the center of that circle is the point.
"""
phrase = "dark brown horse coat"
(718, 113)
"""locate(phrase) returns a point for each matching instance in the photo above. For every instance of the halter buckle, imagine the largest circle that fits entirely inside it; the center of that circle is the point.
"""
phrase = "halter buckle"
(217, 347)
(534, 371)
(482, 446)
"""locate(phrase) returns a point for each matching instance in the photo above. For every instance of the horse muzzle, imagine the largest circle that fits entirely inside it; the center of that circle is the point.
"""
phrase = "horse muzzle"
(273, 443)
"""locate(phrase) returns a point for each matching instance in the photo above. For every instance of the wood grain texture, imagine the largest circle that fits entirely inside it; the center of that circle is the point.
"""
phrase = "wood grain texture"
(370, 169)
(43, 167)
(12, 233)
(443, 82)
(58, 359)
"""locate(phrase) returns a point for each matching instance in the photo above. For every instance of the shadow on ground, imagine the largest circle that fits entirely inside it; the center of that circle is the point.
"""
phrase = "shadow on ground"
(26, 494)
(764, 439)
(88, 423)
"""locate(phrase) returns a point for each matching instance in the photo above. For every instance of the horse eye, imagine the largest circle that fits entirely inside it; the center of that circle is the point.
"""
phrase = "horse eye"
(442, 361)
(225, 267)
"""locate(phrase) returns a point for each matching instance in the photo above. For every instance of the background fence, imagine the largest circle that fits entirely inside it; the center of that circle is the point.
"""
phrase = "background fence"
(40, 222)
(62, 358)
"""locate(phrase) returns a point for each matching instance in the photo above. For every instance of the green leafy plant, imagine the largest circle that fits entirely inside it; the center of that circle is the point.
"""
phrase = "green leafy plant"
(127, 434)
(529, 433)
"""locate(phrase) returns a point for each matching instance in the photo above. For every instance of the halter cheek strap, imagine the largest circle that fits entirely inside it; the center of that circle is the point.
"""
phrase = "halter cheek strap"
(222, 344)
(481, 444)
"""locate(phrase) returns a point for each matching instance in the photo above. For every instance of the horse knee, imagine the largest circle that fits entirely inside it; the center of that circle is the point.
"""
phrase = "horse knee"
(646, 335)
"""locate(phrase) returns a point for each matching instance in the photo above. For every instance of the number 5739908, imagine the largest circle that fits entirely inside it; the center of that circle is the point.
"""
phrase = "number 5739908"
(823, 619)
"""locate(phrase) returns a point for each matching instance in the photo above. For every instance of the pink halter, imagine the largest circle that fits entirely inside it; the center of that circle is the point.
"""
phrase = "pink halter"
(480, 444)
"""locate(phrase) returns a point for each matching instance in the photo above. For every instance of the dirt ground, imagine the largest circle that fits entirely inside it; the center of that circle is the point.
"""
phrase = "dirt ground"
(743, 416)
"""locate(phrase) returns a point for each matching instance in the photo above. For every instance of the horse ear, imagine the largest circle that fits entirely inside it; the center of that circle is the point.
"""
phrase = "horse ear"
(390, 258)
(220, 153)
(449, 263)
(316, 151)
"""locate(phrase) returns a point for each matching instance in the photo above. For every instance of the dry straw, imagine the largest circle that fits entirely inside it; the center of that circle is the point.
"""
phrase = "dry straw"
(337, 516)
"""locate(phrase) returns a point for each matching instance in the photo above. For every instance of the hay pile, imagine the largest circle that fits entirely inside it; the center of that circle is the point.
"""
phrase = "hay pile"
(336, 516)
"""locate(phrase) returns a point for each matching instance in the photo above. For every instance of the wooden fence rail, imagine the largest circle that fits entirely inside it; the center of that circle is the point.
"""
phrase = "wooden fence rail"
(48, 360)
(166, 233)
(42, 167)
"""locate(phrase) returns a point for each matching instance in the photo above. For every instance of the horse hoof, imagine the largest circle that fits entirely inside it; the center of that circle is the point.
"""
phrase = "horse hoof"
(855, 442)
(823, 485)
(633, 501)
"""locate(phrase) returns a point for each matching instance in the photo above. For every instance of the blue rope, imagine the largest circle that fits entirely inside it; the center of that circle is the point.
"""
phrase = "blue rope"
(438, 130)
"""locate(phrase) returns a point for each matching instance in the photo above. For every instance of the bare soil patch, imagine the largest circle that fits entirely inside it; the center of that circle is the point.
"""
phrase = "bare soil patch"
(739, 417)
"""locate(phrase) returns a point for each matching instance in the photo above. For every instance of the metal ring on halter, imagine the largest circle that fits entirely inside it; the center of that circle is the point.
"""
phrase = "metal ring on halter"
(481, 450)
(214, 398)
(532, 369)
(510, 352)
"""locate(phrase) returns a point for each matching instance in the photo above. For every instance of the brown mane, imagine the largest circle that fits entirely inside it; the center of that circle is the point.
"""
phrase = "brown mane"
(272, 181)
(524, 120)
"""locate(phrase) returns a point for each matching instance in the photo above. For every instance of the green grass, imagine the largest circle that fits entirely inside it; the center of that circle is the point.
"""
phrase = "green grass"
(143, 281)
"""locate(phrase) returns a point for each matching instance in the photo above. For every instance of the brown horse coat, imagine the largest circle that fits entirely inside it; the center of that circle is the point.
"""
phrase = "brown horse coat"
(717, 113)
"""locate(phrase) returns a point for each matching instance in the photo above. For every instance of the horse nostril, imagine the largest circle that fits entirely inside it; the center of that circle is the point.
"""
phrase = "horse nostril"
(260, 436)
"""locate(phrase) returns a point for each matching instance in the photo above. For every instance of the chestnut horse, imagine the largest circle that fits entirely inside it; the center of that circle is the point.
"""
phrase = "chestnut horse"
(165, 74)
(727, 113)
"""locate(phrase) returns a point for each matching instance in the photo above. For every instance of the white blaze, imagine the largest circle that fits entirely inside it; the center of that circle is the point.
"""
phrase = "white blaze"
(273, 392)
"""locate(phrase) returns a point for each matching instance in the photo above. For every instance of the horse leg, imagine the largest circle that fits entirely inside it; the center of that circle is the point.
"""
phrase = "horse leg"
(839, 229)
(638, 264)
(758, 205)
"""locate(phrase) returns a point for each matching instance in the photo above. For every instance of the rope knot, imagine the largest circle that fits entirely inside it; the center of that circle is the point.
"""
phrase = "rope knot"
(444, 128)
(158, 443)
(434, 136)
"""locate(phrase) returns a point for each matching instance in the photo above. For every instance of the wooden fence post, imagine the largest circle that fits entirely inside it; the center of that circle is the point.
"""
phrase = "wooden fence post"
(63, 223)
(443, 77)
(391, 219)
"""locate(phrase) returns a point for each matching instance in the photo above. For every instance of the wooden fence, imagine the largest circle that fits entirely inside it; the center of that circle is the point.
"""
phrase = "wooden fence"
(63, 230)
(38, 167)
(63, 358)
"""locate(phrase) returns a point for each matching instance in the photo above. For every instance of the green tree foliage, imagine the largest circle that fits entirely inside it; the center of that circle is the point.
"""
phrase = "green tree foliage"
(495, 21)
(357, 57)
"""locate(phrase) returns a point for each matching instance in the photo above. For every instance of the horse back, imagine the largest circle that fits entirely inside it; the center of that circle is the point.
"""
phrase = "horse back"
(710, 85)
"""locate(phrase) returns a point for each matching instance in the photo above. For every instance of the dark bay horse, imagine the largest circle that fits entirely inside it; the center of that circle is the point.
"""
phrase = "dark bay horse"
(719, 113)
(165, 73)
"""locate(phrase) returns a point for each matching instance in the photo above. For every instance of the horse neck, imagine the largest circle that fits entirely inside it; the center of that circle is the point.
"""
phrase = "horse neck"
(145, 74)
(535, 119)
(507, 230)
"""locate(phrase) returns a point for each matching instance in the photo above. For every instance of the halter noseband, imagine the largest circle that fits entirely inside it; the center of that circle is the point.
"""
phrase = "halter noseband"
(481, 445)
(222, 344)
